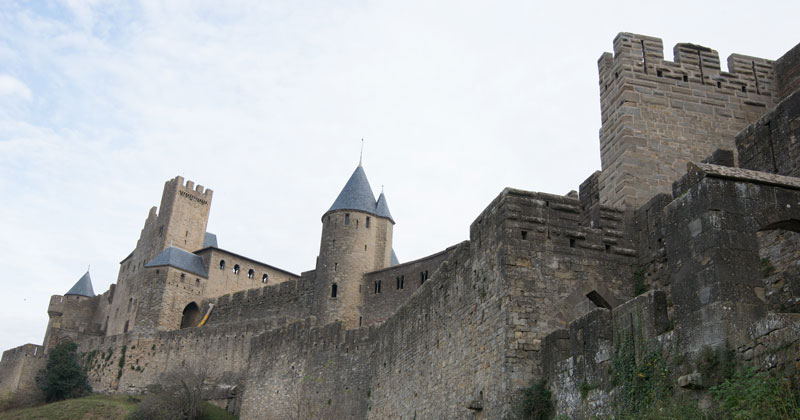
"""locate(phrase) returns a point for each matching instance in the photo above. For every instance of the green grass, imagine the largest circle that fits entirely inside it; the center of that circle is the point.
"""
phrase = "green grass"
(95, 407)
(86, 408)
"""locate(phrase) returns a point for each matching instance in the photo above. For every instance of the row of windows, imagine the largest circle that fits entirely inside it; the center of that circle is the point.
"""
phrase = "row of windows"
(250, 273)
(347, 220)
(423, 275)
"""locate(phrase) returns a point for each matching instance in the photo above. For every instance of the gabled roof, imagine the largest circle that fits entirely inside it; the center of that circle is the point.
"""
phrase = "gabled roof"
(394, 261)
(382, 209)
(83, 287)
(180, 259)
(356, 194)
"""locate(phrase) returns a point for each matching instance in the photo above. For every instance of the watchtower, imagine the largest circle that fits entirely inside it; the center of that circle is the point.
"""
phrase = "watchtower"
(356, 239)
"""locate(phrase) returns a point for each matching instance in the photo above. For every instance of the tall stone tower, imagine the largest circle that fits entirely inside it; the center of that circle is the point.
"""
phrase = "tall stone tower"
(657, 115)
(356, 239)
(180, 222)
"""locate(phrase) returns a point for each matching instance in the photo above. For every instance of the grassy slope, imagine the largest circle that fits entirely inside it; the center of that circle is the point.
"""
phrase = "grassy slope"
(93, 407)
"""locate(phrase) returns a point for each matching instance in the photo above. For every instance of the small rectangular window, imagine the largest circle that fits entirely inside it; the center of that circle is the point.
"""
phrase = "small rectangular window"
(367, 223)
(347, 218)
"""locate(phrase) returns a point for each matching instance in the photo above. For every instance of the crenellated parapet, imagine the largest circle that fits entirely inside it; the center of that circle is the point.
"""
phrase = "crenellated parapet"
(657, 114)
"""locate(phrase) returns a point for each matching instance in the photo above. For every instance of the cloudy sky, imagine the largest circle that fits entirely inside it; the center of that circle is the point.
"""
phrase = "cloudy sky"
(266, 102)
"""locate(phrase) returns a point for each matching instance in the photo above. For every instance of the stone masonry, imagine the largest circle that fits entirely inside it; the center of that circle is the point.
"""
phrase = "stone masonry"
(688, 239)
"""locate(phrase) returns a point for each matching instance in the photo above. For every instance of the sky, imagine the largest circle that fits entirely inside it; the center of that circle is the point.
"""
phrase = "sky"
(266, 103)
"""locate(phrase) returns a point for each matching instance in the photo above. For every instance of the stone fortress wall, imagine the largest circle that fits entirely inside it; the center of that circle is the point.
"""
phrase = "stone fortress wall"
(545, 288)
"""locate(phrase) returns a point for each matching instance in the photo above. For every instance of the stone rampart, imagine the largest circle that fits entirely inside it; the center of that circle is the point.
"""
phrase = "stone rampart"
(19, 366)
(385, 290)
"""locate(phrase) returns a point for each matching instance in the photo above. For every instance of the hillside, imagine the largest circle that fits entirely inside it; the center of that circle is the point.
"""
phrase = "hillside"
(93, 407)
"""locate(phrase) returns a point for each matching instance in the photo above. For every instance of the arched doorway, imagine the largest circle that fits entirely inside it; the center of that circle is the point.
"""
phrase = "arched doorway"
(191, 316)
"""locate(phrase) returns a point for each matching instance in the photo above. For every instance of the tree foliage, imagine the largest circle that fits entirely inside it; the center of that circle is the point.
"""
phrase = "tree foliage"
(63, 377)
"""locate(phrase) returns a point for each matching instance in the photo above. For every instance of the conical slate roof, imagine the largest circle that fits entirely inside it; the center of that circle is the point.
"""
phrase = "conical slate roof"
(180, 259)
(382, 209)
(356, 194)
(83, 287)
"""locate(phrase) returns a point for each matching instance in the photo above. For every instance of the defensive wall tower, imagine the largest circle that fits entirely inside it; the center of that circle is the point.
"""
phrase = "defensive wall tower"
(180, 222)
(356, 239)
(71, 311)
(657, 115)
(183, 216)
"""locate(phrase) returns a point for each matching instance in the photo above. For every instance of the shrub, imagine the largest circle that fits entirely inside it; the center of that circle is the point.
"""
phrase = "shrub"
(179, 396)
(63, 377)
(536, 402)
(751, 395)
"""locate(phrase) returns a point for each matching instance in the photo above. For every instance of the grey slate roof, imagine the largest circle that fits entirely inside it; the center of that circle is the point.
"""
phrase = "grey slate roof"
(382, 209)
(394, 260)
(210, 240)
(83, 287)
(178, 258)
(357, 195)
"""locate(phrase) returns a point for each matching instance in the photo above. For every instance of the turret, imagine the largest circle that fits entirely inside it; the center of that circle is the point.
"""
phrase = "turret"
(356, 239)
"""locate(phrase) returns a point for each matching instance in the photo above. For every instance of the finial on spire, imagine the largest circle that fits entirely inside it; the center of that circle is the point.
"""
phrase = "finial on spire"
(361, 156)
(381, 189)
(88, 268)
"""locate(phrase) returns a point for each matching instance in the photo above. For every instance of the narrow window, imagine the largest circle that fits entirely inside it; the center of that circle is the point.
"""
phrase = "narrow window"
(685, 78)
(398, 282)
(379, 286)
(426, 274)
(376, 287)
(221, 264)
(524, 234)
(197, 282)
(236, 269)
(347, 218)
(359, 321)
(125, 330)
(421, 277)
(402, 281)
(183, 276)
(335, 266)
(365, 247)
(367, 222)
(334, 290)
(264, 278)
(608, 248)
(572, 242)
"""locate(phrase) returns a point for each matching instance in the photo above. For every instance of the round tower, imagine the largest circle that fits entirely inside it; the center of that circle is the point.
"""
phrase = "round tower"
(356, 239)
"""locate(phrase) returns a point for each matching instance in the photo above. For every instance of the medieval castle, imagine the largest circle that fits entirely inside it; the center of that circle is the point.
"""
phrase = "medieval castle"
(689, 236)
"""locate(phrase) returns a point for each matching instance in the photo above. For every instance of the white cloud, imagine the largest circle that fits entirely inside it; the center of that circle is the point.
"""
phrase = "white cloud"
(10, 86)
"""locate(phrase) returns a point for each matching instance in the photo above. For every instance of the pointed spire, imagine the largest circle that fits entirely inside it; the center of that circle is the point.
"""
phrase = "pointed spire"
(361, 156)
(83, 287)
(382, 208)
(356, 194)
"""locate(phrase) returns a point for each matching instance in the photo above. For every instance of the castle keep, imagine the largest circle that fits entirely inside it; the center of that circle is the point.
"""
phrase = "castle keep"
(687, 239)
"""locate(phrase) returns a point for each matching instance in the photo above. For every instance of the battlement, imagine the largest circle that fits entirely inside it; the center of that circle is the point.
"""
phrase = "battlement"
(634, 53)
(189, 186)
(25, 350)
